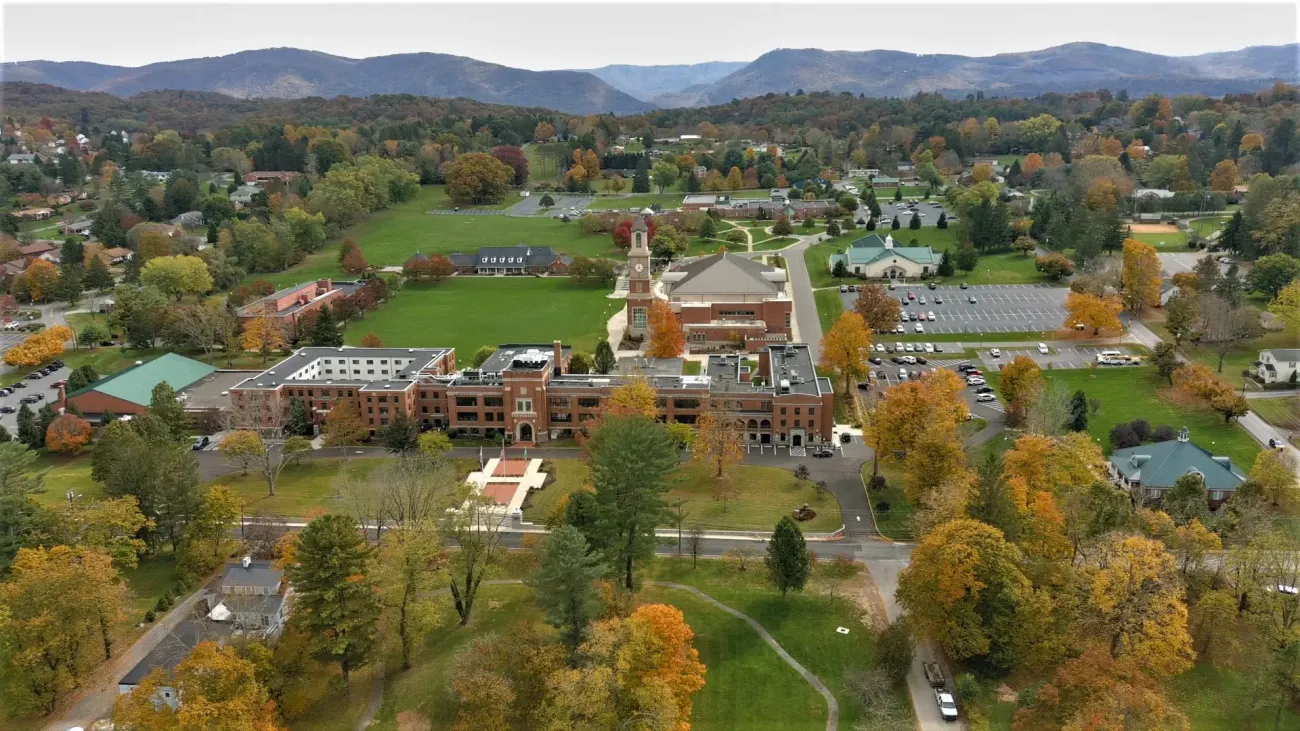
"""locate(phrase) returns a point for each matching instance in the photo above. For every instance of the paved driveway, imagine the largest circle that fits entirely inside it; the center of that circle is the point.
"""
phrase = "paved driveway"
(998, 307)
(533, 203)
(1061, 356)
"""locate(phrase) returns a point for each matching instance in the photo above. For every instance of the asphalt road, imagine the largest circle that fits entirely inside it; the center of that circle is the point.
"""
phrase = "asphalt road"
(563, 202)
(997, 307)
(31, 387)
(805, 307)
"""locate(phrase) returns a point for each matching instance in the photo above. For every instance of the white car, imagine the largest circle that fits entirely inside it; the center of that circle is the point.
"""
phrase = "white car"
(902, 316)
(909, 359)
(929, 316)
(975, 381)
(898, 347)
(920, 329)
(909, 348)
(929, 347)
(995, 353)
(902, 374)
(986, 397)
(880, 347)
(1042, 348)
(1225, 260)
(898, 329)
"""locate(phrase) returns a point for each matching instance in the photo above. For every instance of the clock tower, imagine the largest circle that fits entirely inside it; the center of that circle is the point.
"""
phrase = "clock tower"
(639, 295)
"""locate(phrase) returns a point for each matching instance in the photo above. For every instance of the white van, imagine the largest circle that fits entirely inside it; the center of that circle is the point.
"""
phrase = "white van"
(1110, 354)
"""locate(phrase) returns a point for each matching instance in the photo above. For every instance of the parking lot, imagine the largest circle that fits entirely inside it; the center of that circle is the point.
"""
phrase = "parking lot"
(533, 203)
(1062, 356)
(888, 375)
(31, 387)
(928, 211)
(997, 308)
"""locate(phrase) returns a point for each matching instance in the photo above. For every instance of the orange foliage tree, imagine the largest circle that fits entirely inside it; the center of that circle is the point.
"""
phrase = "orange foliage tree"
(67, 434)
(37, 282)
(38, 348)
(666, 337)
(1032, 163)
(846, 347)
(371, 340)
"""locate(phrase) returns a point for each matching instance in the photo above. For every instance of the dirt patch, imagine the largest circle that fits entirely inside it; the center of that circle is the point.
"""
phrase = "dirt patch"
(1153, 228)
(1006, 694)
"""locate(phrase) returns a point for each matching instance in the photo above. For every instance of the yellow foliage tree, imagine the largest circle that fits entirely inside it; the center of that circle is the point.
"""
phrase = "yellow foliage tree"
(846, 347)
(1136, 605)
(1250, 143)
(38, 348)
(1287, 306)
(214, 683)
(1089, 310)
(1140, 276)
(264, 335)
(666, 337)
(636, 397)
(37, 282)
(1224, 177)
(719, 438)
(1021, 383)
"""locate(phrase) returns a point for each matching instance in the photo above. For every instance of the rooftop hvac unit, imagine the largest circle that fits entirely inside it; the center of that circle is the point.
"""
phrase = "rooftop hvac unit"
(785, 386)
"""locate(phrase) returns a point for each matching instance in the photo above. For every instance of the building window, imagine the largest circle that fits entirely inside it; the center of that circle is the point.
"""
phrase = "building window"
(467, 400)
(492, 401)
(523, 404)
(783, 423)
(811, 411)
(686, 403)
(466, 416)
(638, 317)
(783, 413)
(787, 321)
(588, 403)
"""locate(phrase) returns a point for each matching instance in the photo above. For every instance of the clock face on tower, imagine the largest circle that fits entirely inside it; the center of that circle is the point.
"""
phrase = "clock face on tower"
(640, 267)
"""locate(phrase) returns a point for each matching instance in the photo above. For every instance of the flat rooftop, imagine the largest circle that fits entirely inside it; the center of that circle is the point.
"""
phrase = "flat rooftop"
(212, 391)
(645, 366)
(794, 363)
(279, 374)
(505, 354)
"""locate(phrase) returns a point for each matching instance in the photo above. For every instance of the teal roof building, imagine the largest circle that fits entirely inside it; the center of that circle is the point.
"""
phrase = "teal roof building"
(1154, 468)
(873, 256)
(129, 391)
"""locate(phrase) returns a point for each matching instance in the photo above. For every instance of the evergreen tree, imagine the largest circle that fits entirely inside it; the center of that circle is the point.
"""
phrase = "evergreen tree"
(692, 182)
(44, 418)
(1013, 175)
(401, 435)
(1231, 287)
(967, 258)
(336, 606)
(708, 229)
(895, 225)
(297, 423)
(1235, 238)
(915, 223)
(5, 436)
(1079, 411)
(898, 194)
(97, 276)
(214, 234)
(106, 418)
(69, 287)
(641, 180)
(563, 584)
(946, 267)
(871, 223)
(164, 405)
(788, 564)
(942, 223)
(581, 512)
(325, 333)
(28, 432)
(131, 270)
(631, 458)
(604, 360)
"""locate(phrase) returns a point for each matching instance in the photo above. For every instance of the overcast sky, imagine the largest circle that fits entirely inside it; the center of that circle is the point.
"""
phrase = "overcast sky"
(557, 36)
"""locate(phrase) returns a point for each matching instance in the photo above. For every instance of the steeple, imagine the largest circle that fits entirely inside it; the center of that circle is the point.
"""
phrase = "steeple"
(889, 241)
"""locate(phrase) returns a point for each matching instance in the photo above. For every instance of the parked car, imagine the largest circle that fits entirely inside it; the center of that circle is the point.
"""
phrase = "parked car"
(995, 353)
(909, 359)
(975, 381)
(985, 397)
(921, 360)
(920, 300)
(938, 300)
(843, 288)
(38, 375)
(971, 299)
(845, 438)
(920, 329)
(963, 284)
(7, 409)
(31, 399)
(879, 348)
(929, 348)
(984, 389)
(56, 363)
(19, 384)
(947, 705)
(909, 348)
(1042, 348)
(938, 348)
(898, 329)
(823, 452)
(874, 360)
(902, 374)
(914, 316)
(930, 315)
(963, 367)
(911, 295)
(932, 285)
(58, 384)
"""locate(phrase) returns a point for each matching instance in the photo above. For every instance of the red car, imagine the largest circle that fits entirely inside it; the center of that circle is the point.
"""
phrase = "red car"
(911, 295)
(58, 384)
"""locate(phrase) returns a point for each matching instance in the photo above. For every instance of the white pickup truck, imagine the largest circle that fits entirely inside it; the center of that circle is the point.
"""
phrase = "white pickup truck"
(947, 704)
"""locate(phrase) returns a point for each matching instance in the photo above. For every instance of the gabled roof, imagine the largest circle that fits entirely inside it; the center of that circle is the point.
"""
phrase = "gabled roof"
(519, 255)
(1289, 355)
(724, 274)
(1159, 465)
(258, 573)
(136, 384)
(872, 248)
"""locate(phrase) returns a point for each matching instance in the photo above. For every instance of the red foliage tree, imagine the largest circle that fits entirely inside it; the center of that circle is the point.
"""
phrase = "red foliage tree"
(67, 433)
(514, 158)
(623, 232)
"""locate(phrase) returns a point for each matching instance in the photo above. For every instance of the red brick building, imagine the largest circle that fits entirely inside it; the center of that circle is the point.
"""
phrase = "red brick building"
(524, 391)
(291, 303)
(729, 301)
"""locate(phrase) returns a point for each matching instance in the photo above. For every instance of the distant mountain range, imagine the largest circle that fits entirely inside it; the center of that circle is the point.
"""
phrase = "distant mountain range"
(289, 73)
(1069, 68)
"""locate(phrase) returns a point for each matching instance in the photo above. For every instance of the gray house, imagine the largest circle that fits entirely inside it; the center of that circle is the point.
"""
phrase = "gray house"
(251, 598)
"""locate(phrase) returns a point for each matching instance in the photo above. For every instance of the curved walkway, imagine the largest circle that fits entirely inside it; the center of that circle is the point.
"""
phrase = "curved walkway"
(832, 706)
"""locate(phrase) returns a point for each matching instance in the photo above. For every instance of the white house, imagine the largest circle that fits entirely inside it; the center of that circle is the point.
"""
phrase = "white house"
(874, 257)
(251, 598)
(1278, 365)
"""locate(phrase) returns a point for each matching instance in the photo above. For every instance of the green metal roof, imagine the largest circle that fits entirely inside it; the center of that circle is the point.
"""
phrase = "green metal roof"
(1159, 465)
(135, 384)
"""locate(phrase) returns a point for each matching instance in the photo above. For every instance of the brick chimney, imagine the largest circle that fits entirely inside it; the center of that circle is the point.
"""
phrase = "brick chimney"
(557, 359)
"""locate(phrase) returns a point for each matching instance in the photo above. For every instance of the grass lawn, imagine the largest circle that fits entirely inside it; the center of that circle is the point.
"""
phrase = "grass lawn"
(1208, 225)
(63, 473)
(389, 237)
(1282, 412)
(747, 684)
(829, 307)
(1175, 241)
(804, 623)
(1218, 699)
(435, 196)
(468, 312)
(1237, 359)
(772, 244)
(667, 199)
(1140, 393)
(817, 258)
(1009, 267)
(702, 247)
(895, 523)
(763, 495)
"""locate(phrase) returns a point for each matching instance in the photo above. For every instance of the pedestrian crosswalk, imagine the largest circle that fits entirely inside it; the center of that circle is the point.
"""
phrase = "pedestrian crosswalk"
(798, 452)
(995, 405)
